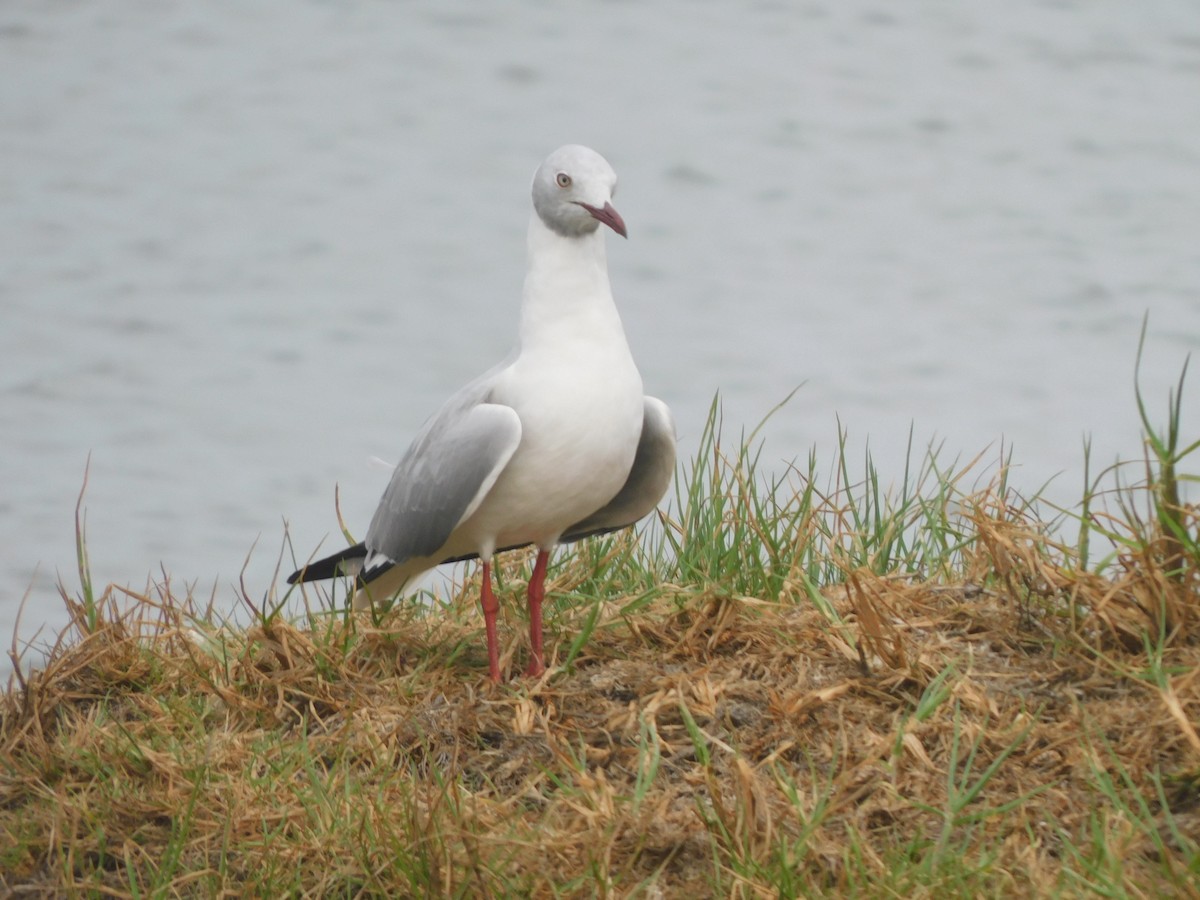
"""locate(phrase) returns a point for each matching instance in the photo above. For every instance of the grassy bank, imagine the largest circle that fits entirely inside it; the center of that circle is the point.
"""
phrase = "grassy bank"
(789, 688)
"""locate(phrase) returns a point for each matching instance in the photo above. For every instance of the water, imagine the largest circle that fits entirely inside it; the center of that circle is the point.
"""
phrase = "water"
(243, 250)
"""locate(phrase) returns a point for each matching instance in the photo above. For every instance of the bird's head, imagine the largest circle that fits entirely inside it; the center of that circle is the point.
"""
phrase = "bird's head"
(573, 191)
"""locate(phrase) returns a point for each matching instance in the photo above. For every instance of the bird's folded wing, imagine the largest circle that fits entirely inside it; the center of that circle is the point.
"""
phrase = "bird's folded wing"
(441, 480)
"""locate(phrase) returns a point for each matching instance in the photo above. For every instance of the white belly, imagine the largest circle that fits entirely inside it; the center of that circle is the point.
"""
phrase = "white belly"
(579, 433)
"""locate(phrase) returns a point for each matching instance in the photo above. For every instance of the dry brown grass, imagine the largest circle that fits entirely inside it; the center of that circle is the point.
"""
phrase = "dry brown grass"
(1021, 731)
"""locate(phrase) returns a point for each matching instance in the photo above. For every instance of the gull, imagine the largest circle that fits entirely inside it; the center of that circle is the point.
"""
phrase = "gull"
(554, 444)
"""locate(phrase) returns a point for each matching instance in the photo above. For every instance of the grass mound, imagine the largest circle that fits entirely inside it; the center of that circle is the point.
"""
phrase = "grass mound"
(939, 739)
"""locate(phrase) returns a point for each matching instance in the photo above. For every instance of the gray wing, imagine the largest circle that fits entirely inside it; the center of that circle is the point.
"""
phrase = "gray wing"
(653, 469)
(443, 476)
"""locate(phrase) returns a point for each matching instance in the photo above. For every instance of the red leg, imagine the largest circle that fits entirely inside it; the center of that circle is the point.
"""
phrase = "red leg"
(537, 592)
(491, 606)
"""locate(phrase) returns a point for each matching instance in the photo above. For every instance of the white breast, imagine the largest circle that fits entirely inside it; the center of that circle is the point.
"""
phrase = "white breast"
(581, 412)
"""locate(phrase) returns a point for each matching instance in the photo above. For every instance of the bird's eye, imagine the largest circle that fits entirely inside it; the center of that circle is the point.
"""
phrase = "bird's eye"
(563, 179)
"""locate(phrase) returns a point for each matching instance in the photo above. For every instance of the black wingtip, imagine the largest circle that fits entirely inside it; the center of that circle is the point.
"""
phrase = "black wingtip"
(330, 566)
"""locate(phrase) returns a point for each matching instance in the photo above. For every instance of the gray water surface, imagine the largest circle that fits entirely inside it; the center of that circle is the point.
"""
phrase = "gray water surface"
(246, 248)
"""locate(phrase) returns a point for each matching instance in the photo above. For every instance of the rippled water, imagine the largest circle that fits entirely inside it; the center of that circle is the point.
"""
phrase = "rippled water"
(244, 250)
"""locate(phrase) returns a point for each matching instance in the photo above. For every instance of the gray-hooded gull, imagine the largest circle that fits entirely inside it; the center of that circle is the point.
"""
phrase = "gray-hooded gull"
(553, 445)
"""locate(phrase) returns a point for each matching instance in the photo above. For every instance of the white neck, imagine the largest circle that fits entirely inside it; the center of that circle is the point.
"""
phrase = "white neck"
(567, 294)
